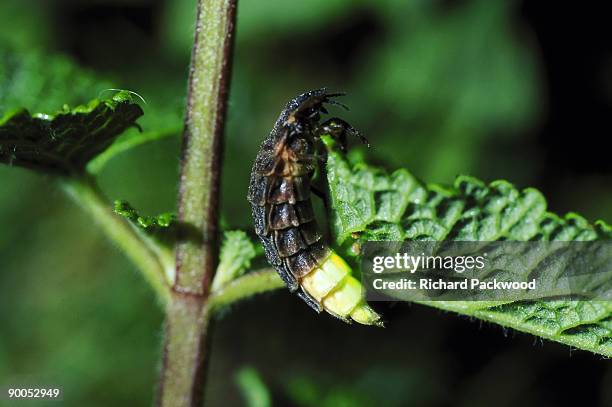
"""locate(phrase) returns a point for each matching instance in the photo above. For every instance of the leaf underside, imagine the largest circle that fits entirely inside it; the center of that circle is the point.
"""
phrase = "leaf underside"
(372, 205)
(236, 254)
(65, 142)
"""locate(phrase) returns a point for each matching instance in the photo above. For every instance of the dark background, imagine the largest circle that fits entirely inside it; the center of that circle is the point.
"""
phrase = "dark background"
(495, 89)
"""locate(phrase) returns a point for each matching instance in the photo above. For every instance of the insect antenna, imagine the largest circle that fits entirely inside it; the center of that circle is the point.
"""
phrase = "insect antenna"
(335, 102)
(333, 95)
(329, 99)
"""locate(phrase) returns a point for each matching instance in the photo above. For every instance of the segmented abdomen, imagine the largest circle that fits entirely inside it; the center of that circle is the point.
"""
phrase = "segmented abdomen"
(285, 223)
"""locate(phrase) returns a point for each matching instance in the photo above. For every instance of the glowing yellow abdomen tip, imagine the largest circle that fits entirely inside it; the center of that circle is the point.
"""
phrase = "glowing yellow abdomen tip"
(340, 294)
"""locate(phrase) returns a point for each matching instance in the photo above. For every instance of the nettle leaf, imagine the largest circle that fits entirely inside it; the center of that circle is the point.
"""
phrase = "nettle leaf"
(373, 205)
(66, 141)
(44, 82)
(237, 251)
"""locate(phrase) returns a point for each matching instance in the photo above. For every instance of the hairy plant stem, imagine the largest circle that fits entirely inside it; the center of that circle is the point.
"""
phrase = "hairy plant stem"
(187, 313)
(154, 263)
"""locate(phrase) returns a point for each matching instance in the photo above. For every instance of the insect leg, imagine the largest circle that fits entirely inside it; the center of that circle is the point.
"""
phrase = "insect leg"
(338, 129)
(319, 186)
(325, 199)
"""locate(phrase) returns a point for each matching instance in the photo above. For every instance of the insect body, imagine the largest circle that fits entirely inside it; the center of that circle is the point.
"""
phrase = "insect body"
(279, 193)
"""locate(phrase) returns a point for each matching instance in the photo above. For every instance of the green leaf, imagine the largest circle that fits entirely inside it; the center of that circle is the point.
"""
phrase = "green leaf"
(43, 83)
(237, 252)
(583, 324)
(66, 141)
(25, 76)
(370, 204)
